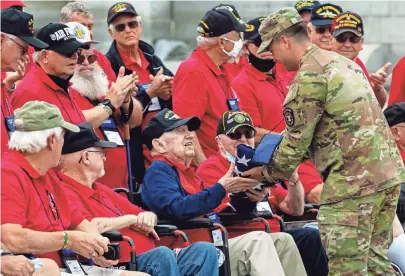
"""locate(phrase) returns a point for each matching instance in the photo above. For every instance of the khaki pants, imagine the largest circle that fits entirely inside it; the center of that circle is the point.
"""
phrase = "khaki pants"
(261, 254)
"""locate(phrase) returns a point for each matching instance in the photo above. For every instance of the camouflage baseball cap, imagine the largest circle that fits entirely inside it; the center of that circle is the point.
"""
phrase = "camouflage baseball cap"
(276, 23)
(38, 115)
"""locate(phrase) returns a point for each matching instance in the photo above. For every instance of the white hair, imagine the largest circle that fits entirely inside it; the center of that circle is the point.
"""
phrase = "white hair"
(35, 56)
(92, 86)
(32, 141)
(72, 7)
(204, 42)
(111, 26)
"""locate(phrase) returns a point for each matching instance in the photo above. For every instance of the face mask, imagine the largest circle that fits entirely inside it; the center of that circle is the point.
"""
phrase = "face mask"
(237, 46)
(230, 158)
(263, 65)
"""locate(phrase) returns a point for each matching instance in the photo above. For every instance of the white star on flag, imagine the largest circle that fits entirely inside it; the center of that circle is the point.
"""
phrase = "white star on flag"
(237, 171)
(243, 160)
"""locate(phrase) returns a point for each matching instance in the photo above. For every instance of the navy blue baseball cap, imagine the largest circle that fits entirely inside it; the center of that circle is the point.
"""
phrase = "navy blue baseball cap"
(324, 14)
(305, 5)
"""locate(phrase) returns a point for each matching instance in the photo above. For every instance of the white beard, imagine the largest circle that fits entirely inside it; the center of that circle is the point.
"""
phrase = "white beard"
(94, 86)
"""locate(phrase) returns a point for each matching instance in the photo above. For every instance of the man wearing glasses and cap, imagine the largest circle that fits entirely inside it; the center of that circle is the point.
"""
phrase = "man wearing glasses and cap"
(16, 36)
(319, 27)
(202, 84)
(333, 118)
(348, 33)
(90, 86)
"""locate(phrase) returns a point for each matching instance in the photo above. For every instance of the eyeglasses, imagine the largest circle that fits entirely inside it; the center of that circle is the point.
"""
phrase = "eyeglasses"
(52, 205)
(24, 49)
(131, 24)
(248, 133)
(353, 38)
(91, 58)
(102, 151)
(322, 30)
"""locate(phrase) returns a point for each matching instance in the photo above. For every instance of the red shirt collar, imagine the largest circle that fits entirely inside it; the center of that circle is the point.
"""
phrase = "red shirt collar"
(208, 61)
(18, 158)
(128, 62)
(188, 177)
(78, 187)
(40, 73)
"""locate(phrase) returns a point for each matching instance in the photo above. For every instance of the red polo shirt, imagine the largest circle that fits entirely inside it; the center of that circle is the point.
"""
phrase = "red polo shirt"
(116, 169)
(26, 199)
(105, 64)
(201, 89)
(235, 68)
(363, 67)
(101, 201)
(38, 86)
(6, 110)
(261, 97)
(397, 90)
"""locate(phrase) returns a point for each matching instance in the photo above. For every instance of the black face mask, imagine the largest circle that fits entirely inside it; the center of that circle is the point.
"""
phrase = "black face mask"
(263, 65)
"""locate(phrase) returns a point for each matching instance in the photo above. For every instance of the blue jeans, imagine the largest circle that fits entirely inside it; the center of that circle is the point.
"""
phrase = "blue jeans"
(199, 259)
(396, 252)
(313, 254)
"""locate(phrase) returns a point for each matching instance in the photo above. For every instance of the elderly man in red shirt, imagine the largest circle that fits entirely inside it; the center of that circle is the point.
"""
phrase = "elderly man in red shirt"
(36, 216)
(262, 89)
(77, 12)
(348, 33)
(397, 89)
(16, 35)
(82, 164)
(90, 87)
(201, 86)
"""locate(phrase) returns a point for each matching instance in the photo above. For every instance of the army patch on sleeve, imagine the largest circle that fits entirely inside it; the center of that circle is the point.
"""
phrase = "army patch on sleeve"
(289, 116)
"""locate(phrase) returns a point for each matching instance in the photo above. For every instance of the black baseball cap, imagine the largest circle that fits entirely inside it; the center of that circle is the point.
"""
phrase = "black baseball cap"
(305, 5)
(395, 114)
(347, 22)
(229, 7)
(20, 24)
(166, 120)
(231, 121)
(254, 36)
(118, 9)
(324, 14)
(60, 39)
(221, 21)
(84, 139)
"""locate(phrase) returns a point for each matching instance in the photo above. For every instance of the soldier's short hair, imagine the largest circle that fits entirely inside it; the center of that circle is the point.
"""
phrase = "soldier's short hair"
(298, 31)
(72, 7)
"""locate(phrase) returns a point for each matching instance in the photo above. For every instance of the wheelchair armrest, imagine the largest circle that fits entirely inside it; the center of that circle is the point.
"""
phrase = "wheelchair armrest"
(164, 229)
(311, 206)
(189, 224)
(234, 217)
(113, 236)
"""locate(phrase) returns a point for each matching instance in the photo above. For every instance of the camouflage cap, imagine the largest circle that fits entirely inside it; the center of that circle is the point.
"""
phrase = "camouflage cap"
(38, 115)
(276, 23)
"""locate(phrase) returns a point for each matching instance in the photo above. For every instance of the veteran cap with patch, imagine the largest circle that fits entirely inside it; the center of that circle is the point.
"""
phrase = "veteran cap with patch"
(166, 120)
(38, 115)
(220, 21)
(305, 5)
(395, 114)
(118, 9)
(81, 33)
(275, 23)
(324, 14)
(231, 121)
(347, 22)
(254, 36)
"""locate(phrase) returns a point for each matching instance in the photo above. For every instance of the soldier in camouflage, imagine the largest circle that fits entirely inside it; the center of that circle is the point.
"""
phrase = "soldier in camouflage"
(333, 118)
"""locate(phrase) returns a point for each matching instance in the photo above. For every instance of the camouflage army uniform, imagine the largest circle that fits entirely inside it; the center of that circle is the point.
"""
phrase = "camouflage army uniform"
(333, 117)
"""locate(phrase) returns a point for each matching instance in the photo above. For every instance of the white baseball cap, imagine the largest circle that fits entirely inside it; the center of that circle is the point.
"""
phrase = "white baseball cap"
(81, 32)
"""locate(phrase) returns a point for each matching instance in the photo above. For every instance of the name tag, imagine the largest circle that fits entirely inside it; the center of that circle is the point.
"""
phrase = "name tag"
(69, 258)
(155, 105)
(110, 131)
(9, 121)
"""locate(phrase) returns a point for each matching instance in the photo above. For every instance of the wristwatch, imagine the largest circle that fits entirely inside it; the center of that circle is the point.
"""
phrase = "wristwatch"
(107, 106)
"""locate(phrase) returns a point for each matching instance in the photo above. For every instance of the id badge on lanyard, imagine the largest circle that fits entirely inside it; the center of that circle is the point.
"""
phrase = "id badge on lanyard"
(233, 102)
(9, 121)
(154, 105)
(110, 131)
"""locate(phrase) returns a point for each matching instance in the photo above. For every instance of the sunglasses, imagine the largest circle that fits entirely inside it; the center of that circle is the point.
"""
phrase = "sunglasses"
(248, 133)
(91, 58)
(71, 54)
(131, 24)
(322, 30)
(353, 38)
(24, 49)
